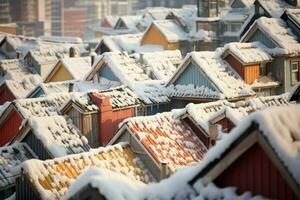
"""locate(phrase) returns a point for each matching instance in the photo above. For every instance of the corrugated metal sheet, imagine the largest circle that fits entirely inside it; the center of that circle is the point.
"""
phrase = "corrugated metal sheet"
(24, 190)
(193, 75)
(256, 173)
(258, 36)
(37, 146)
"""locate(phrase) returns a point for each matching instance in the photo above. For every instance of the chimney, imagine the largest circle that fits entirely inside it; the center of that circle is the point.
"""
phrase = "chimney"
(164, 172)
(142, 58)
(93, 58)
(18, 54)
(74, 52)
(105, 117)
(71, 87)
(213, 133)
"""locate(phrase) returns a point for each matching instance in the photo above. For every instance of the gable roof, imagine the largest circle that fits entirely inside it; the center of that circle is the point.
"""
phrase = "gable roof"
(248, 53)
(227, 83)
(202, 113)
(52, 178)
(10, 158)
(20, 89)
(51, 88)
(58, 135)
(294, 14)
(41, 107)
(78, 67)
(275, 8)
(278, 126)
(133, 74)
(166, 138)
(170, 30)
(130, 21)
(278, 32)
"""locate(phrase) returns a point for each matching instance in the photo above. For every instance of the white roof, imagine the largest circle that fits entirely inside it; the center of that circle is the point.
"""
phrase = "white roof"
(249, 53)
(280, 34)
(78, 66)
(275, 7)
(171, 30)
(295, 14)
(226, 81)
(59, 136)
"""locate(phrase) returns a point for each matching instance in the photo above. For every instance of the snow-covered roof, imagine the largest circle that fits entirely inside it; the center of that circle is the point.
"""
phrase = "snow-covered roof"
(10, 158)
(112, 20)
(186, 15)
(202, 113)
(41, 107)
(52, 178)
(20, 89)
(120, 97)
(163, 64)
(14, 69)
(53, 87)
(150, 14)
(58, 135)
(279, 126)
(167, 139)
(130, 21)
(226, 82)
(78, 66)
(135, 75)
(275, 7)
(294, 13)
(279, 33)
(62, 39)
(171, 30)
(82, 100)
(248, 53)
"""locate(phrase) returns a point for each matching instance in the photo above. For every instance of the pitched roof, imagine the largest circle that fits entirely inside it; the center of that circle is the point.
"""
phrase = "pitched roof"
(58, 135)
(78, 67)
(167, 139)
(10, 158)
(275, 7)
(14, 69)
(171, 30)
(52, 178)
(279, 33)
(248, 53)
(294, 13)
(279, 126)
(202, 113)
(133, 74)
(41, 107)
(52, 87)
(163, 64)
(82, 100)
(226, 82)
(120, 97)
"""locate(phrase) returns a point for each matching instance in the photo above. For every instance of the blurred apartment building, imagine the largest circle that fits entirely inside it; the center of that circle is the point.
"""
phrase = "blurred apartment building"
(57, 17)
(141, 4)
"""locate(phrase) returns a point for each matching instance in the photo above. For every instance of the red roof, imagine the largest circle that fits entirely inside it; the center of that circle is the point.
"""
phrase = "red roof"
(168, 140)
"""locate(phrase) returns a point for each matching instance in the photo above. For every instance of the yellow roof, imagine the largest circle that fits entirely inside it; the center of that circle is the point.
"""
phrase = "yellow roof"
(52, 178)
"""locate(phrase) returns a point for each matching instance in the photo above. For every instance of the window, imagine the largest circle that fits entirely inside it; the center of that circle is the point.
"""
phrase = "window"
(294, 72)
(233, 27)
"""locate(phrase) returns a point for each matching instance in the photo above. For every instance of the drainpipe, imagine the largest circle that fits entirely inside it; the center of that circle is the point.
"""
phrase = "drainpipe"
(213, 132)
(164, 170)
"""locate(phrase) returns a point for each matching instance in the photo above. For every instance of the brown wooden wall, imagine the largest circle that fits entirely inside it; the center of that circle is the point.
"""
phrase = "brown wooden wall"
(248, 72)
(255, 172)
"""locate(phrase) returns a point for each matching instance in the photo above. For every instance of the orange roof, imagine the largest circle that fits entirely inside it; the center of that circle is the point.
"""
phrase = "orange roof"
(168, 140)
(52, 178)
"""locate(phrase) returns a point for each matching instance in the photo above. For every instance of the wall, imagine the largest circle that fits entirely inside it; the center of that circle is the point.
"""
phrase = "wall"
(154, 37)
(248, 72)
(5, 94)
(61, 75)
(108, 119)
(256, 173)
(37, 146)
(10, 128)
